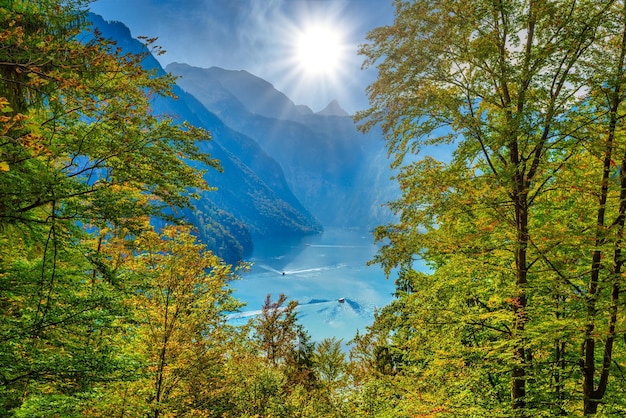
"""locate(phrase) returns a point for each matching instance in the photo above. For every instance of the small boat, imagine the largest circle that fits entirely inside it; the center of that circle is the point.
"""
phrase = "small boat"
(341, 300)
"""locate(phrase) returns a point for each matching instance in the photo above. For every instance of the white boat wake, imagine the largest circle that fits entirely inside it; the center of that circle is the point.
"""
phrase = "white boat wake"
(335, 246)
(315, 269)
(268, 268)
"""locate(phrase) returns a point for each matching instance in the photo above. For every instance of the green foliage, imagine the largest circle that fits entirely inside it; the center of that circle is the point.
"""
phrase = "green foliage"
(330, 362)
(276, 329)
(522, 230)
(79, 150)
(178, 294)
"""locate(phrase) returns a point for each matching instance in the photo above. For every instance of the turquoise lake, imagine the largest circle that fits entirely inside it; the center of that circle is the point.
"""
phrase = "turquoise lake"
(327, 274)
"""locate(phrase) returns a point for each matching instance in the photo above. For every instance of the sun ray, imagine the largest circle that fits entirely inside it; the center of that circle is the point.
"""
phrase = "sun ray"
(314, 58)
(319, 50)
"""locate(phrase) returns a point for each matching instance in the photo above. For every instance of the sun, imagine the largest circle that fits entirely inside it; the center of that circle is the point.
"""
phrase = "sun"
(319, 50)
(315, 55)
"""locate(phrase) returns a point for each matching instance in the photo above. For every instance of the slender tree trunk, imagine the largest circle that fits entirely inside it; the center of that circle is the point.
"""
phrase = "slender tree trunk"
(589, 346)
(559, 359)
(559, 375)
(518, 375)
(158, 387)
(592, 394)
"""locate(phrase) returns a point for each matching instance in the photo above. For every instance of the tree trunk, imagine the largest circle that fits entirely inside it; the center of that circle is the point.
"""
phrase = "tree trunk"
(593, 395)
(518, 375)
(518, 390)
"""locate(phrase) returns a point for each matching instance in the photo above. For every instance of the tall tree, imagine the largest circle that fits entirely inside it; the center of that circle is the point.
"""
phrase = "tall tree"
(607, 154)
(513, 86)
(179, 293)
(79, 150)
(276, 329)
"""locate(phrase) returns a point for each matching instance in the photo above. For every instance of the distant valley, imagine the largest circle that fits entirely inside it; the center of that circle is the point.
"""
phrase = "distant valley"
(287, 171)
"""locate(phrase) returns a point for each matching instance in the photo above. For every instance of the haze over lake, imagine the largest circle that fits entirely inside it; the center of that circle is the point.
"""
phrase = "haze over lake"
(318, 271)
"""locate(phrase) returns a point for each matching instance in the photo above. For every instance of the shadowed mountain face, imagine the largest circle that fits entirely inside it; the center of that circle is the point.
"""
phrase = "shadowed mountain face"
(253, 93)
(253, 198)
(338, 173)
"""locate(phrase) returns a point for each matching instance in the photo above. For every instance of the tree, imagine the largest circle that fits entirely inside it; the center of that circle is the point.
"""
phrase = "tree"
(330, 362)
(515, 86)
(276, 329)
(331, 370)
(286, 346)
(80, 150)
(179, 293)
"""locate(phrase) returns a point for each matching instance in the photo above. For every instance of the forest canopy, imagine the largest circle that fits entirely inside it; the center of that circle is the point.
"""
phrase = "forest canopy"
(519, 312)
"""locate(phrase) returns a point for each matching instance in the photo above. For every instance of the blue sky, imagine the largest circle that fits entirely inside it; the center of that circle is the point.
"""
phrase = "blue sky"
(260, 36)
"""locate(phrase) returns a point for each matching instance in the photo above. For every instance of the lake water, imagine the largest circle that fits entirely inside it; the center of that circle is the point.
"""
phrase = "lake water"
(318, 271)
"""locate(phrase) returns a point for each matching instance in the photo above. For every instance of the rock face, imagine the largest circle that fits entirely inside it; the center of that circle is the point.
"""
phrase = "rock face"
(253, 198)
(287, 170)
(338, 173)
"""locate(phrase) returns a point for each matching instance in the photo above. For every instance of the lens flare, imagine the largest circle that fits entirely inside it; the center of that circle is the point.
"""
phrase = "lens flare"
(318, 50)
(315, 57)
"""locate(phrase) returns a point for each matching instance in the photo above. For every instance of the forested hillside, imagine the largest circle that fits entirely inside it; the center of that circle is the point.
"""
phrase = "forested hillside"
(520, 312)
(253, 199)
(332, 168)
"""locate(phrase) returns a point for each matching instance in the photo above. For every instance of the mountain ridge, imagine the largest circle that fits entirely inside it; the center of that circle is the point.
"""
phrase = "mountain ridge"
(253, 198)
(333, 109)
(328, 163)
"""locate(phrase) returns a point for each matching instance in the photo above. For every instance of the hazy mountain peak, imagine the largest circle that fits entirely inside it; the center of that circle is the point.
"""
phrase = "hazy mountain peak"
(333, 109)
(256, 94)
(304, 109)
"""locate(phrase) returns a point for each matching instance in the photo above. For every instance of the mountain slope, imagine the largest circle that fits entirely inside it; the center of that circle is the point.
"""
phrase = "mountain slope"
(333, 109)
(333, 169)
(254, 93)
(253, 198)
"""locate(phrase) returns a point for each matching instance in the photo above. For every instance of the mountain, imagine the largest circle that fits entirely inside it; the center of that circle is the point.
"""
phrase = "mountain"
(338, 173)
(255, 94)
(333, 109)
(253, 198)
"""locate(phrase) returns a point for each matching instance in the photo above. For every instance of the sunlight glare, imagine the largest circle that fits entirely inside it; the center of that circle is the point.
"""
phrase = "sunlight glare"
(319, 50)
(314, 58)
